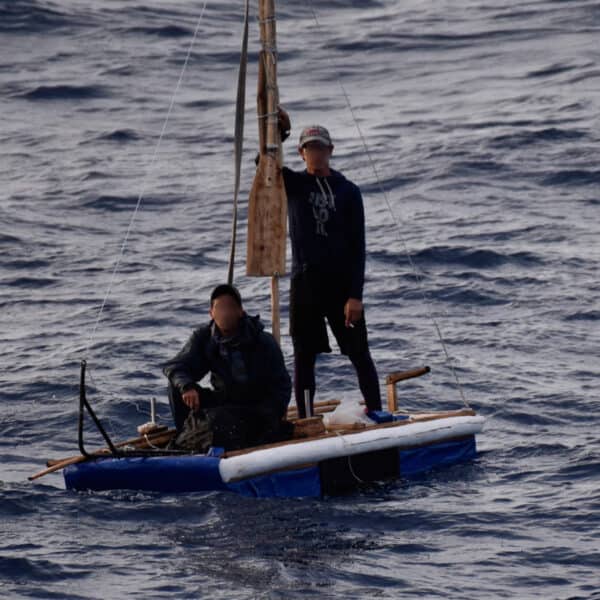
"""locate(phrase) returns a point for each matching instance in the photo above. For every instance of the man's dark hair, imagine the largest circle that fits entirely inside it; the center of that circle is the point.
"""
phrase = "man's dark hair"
(225, 290)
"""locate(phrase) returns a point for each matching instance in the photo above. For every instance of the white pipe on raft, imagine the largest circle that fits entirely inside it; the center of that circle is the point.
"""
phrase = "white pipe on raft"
(406, 435)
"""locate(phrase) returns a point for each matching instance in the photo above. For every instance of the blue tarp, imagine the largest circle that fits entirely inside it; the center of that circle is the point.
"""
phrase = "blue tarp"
(157, 473)
(417, 460)
(299, 483)
(201, 473)
(186, 474)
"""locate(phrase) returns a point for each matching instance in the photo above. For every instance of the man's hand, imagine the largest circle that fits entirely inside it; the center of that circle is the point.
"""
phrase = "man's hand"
(191, 398)
(353, 311)
(285, 124)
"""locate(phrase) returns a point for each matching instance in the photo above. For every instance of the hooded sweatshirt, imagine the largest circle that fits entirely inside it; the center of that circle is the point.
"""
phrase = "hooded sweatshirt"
(327, 228)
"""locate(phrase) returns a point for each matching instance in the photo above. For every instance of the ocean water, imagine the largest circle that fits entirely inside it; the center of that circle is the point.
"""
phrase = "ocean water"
(481, 121)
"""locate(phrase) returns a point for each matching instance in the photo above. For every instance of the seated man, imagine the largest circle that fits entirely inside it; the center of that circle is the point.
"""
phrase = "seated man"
(251, 386)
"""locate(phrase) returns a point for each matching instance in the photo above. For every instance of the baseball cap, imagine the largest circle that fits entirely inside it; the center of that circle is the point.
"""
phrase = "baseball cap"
(314, 133)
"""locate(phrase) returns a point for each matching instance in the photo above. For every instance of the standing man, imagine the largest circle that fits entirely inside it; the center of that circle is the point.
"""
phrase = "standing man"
(327, 231)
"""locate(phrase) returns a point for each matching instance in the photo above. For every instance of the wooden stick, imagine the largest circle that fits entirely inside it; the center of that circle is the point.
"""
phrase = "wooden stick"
(319, 407)
(275, 313)
(393, 378)
(401, 375)
(292, 416)
(140, 443)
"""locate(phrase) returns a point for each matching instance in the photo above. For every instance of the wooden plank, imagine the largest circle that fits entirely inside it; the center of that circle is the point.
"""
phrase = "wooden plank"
(401, 375)
(319, 407)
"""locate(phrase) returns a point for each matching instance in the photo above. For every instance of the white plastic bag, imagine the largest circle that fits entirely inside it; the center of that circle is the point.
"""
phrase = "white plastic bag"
(347, 413)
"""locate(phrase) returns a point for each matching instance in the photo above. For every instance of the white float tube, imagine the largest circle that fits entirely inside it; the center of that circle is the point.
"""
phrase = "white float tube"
(286, 456)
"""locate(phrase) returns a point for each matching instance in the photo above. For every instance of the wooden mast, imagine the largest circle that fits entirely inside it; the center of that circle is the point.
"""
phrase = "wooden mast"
(267, 206)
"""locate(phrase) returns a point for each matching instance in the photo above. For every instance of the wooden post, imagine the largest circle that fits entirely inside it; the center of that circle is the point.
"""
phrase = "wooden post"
(275, 313)
(392, 397)
(393, 378)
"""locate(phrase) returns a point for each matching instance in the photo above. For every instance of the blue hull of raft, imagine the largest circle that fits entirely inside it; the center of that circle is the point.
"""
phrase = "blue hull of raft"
(201, 473)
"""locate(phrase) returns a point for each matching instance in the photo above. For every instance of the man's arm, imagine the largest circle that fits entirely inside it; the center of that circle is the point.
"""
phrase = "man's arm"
(357, 235)
(285, 125)
(189, 365)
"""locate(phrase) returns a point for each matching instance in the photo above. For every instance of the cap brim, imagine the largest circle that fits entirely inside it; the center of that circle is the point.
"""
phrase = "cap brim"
(315, 138)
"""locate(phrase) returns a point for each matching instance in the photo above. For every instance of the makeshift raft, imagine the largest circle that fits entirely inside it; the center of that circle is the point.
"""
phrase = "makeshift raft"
(337, 459)
(332, 463)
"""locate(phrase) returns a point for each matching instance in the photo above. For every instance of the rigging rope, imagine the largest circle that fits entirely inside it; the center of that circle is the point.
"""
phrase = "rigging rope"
(144, 181)
(416, 274)
(239, 138)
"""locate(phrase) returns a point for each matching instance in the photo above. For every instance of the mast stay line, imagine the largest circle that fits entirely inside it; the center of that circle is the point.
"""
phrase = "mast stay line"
(239, 138)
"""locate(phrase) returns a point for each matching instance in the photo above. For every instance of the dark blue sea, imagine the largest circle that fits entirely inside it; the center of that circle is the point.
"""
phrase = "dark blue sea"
(481, 123)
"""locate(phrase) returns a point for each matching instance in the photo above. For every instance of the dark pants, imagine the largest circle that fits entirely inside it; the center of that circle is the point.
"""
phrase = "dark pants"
(234, 426)
(315, 299)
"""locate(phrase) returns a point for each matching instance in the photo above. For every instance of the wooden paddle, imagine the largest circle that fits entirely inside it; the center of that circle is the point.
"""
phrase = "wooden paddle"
(267, 205)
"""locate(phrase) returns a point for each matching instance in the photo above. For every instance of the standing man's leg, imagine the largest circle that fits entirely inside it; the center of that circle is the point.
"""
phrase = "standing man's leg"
(368, 381)
(304, 379)
(309, 335)
(353, 342)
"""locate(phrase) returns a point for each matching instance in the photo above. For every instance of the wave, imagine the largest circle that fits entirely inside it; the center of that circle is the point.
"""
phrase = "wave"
(22, 16)
(437, 42)
(29, 282)
(476, 259)
(460, 295)
(120, 135)
(64, 92)
(112, 203)
(584, 315)
(573, 177)
(555, 69)
(528, 138)
(168, 31)
(8, 239)
(37, 569)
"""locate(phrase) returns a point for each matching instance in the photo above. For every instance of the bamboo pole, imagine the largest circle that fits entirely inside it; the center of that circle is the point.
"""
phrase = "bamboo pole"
(275, 310)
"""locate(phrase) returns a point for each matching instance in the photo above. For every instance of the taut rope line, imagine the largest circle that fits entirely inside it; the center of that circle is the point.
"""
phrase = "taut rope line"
(144, 181)
(239, 138)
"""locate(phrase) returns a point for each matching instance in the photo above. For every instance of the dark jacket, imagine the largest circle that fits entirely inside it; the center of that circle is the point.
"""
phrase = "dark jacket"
(327, 227)
(248, 370)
